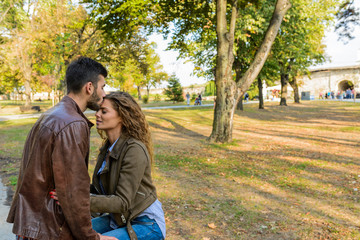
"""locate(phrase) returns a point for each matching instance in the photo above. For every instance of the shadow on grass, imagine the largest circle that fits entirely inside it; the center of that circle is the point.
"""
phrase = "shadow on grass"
(300, 137)
(179, 129)
(301, 113)
(287, 202)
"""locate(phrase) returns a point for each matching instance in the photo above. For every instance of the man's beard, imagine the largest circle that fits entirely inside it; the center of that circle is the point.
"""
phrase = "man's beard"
(93, 102)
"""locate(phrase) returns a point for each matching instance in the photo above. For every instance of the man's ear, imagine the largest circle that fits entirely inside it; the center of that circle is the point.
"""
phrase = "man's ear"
(89, 88)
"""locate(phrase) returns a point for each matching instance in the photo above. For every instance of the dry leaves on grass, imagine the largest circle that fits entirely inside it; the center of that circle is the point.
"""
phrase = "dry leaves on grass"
(212, 225)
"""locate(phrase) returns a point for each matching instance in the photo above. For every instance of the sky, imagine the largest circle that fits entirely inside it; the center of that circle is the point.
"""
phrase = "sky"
(340, 54)
(343, 54)
(171, 65)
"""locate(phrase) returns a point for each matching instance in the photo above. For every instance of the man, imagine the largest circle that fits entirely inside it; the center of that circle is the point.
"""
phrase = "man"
(56, 155)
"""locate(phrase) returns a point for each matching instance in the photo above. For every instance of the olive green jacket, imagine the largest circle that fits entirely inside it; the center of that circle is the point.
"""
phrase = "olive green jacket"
(126, 180)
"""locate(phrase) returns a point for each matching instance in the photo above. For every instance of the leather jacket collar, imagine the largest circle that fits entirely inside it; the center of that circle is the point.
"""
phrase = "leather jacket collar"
(68, 100)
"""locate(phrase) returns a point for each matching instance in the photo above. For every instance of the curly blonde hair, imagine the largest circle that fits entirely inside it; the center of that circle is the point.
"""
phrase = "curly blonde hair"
(133, 119)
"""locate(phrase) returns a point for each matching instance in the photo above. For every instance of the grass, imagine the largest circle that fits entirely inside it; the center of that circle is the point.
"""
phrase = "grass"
(289, 173)
(10, 107)
(13, 180)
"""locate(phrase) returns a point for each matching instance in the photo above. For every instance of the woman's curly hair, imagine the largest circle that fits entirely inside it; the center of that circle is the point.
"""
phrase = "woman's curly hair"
(133, 122)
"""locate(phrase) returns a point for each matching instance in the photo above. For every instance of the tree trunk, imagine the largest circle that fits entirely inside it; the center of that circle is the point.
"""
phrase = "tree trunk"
(27, 78)
(228, 91)
(148, 91)
(240, 105)
(261, 98)
(225, 86)
(139, 92)
(295, 87)
(284, 82)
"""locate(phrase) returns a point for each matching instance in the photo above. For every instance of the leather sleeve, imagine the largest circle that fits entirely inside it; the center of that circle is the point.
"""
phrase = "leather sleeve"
(132, 172)
(72, 179)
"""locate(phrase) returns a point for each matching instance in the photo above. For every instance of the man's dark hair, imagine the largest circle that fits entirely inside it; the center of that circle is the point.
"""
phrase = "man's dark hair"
(81, 71)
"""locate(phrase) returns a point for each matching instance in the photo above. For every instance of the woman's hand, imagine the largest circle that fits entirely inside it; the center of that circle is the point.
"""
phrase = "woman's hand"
(102, 237)
(54, 196)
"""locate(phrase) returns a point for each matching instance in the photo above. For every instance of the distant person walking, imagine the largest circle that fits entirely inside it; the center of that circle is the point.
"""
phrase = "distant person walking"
(348, 93)
(188, 98)
(246, 97)
(354, 94)
(200, 99)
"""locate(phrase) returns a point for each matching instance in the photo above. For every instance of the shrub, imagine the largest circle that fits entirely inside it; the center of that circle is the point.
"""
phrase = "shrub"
(193, 96)
(157, 98)
(174, 90)
(145, 99)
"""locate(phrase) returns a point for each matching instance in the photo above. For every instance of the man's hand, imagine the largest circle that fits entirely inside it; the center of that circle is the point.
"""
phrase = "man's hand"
(102, 237)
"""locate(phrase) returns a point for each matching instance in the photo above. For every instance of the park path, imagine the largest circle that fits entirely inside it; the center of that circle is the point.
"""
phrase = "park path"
(5, 228)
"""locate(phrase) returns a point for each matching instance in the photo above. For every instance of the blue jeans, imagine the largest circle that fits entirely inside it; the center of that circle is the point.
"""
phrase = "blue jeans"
(144, 227)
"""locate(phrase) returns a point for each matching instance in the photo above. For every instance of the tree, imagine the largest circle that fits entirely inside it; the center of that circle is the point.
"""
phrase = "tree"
(197, 27)
(269, 75)
(190, 22)
(42, 38)
(174, 90)
(17, 45)
(255, 19)
(348, 18)
(193, 24)
(154, 74)
(72, 34)
(229, 92)
(210, 89)
(299, 42)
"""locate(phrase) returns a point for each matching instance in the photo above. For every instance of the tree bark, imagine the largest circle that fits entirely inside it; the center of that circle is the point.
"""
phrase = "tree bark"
(228, 91)
(225, 85)
(139, 92)
(295, 87)
(240, 105)
(26, 69)
(148, 91)
(261, 97)
(284, 85)
(27, 80)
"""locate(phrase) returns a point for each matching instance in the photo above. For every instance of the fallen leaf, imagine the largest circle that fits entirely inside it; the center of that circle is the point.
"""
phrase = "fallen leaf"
(211, 225)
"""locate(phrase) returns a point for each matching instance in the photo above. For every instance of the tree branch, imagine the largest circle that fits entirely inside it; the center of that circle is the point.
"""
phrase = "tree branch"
(280, 10)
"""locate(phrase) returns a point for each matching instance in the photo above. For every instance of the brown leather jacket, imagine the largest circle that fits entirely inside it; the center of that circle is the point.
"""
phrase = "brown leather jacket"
(55, 156)
(126, 180)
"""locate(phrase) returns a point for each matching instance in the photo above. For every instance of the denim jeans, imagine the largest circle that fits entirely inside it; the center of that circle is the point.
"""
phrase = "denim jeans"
(22, 238)
(144, 227)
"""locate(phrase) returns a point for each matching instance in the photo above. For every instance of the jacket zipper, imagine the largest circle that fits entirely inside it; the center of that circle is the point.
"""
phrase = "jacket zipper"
(142, 194)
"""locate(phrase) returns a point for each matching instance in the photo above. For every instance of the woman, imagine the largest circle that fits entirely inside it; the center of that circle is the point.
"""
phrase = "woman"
(122, 184)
